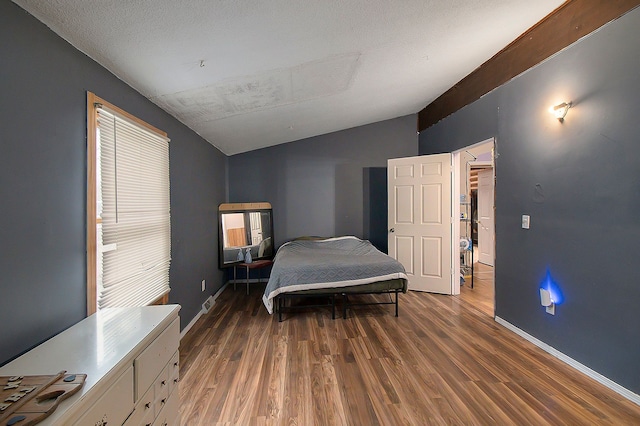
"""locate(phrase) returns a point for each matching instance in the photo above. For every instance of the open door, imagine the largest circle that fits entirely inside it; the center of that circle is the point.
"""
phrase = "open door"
(420, 220)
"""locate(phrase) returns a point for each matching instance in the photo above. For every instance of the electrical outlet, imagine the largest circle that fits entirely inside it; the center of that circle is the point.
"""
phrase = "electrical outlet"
(204, 285)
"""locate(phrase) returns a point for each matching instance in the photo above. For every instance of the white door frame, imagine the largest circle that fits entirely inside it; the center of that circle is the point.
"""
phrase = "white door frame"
(489, 257)
(455, 222)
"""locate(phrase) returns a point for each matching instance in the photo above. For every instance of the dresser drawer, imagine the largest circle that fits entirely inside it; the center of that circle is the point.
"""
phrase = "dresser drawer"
(161, 390)
(169, 414)
(174, 372)
(155, 357)
(144, 411)
(114, 405)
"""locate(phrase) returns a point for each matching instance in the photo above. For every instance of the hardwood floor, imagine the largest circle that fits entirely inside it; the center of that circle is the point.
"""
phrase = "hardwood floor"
(482, 295)
(444, 360)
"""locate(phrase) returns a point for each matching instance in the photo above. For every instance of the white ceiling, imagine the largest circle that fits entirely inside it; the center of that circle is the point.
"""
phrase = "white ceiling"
(247, 74)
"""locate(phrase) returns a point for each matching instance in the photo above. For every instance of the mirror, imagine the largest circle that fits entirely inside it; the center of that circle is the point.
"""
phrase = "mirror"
(245, 226)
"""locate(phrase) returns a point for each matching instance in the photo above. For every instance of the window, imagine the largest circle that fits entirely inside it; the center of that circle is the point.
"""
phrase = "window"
(128, 209)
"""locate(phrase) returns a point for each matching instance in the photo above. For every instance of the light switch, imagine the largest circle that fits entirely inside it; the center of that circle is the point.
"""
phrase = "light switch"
(525, 221)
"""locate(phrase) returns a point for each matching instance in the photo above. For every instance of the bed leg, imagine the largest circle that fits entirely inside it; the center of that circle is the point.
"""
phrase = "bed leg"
(345, 302)
(279, 308)
(234, 277)
(396, 302)
(333, 306)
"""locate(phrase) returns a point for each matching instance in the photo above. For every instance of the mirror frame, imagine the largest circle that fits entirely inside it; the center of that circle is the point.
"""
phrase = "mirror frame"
(242, 208)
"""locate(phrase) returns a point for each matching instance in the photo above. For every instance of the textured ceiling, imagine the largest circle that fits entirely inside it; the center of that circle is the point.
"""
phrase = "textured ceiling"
(251, 74)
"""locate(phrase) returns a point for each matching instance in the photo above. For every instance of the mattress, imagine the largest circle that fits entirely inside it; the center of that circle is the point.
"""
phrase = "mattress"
(333, 265)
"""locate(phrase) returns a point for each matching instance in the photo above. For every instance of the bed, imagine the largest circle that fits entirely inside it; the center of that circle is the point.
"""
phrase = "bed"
(332, 267)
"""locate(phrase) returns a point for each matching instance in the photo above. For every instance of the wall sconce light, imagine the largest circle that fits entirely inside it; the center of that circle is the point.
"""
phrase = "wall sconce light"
(559, 111)
(547, 301)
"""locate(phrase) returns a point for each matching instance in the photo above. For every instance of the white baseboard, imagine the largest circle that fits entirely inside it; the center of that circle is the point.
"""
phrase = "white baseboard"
(631, 396)
(201, 312)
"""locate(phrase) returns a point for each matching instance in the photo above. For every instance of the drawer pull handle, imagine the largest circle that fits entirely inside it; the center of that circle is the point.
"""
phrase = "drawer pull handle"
(175, 380)
(175, 364)
(164, 382)
(147, 405)
(163, 401)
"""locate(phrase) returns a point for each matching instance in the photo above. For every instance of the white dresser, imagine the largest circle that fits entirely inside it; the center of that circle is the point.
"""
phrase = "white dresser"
(130, 356)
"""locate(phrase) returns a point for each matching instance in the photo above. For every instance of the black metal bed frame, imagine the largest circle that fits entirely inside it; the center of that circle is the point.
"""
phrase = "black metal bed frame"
(280, 302)
(281, 298)
(346, 303)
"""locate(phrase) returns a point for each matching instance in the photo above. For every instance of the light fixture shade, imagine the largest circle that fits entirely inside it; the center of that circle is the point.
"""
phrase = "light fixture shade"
(560, 110)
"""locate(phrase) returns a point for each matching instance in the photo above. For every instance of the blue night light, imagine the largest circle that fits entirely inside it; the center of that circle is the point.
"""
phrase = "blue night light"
(553, 288)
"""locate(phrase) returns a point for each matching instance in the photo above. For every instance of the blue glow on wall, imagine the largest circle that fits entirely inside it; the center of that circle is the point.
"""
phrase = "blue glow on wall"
(553, 288)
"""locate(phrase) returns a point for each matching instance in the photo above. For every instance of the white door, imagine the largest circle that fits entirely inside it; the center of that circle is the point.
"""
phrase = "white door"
(420, 221)
(486, 233)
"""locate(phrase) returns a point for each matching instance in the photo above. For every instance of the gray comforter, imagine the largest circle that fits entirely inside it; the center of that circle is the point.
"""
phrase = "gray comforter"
(331, 263)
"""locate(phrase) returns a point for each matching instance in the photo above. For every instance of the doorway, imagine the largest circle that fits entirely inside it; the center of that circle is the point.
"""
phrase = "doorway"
(475, 177)
(431, 216)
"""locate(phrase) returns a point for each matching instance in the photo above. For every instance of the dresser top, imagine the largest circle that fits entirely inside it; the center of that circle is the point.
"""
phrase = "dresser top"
(100, 344)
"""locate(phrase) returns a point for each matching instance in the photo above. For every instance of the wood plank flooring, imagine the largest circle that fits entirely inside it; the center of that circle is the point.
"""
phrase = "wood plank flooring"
(482, 295)
(444, 360)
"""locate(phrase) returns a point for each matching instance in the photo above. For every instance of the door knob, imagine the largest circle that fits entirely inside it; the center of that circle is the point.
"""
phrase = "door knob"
(392, 230)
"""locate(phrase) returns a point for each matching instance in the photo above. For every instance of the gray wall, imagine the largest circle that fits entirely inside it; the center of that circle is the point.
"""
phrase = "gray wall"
(316, 185)
(43, 84)
(376, 202)
(580, 183)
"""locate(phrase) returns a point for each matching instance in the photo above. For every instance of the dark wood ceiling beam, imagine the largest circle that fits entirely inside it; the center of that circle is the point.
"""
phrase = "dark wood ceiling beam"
(565, 25)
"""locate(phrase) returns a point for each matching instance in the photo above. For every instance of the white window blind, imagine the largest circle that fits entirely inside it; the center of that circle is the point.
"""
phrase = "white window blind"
(135, 251)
